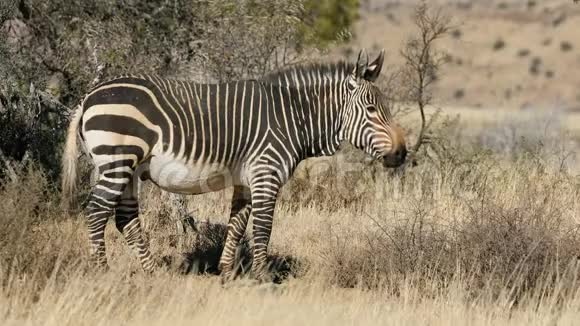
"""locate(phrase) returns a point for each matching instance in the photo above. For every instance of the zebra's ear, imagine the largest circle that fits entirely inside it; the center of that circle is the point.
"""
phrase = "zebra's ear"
(373, 70)
(362, 64)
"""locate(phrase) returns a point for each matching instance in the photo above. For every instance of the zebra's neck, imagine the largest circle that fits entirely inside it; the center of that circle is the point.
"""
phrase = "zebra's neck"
(319, 112)
(318, 95)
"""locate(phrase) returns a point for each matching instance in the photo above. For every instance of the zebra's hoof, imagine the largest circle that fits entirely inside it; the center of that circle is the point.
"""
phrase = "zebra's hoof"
(226, 277)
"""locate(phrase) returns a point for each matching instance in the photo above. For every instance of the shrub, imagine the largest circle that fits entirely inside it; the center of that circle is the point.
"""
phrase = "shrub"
(566, 46)
(559, 20)
(531, 4)
(499, 44)
(456, 33)
(547, 41)
(459, 94)
(535, 66)
(523, 53)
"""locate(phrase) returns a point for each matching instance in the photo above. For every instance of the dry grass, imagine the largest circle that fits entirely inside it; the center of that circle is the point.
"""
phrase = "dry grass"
(172, 300)
(473, 237)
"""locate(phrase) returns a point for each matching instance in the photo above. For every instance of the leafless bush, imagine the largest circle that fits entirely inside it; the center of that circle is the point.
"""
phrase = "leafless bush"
(516, 240)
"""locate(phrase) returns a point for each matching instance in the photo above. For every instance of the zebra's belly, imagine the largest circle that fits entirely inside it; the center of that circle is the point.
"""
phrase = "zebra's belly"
(195, 178)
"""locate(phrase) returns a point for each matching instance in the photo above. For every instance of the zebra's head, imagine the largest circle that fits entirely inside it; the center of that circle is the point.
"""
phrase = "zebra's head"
(367, 120)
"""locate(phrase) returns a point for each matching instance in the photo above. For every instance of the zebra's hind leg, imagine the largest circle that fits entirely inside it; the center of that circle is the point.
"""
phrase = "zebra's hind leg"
(240, 212)
(104, 198)
(128, 223)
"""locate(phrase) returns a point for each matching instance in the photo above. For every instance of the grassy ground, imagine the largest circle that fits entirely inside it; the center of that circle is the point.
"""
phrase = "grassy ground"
(166, 299)
(477, 234)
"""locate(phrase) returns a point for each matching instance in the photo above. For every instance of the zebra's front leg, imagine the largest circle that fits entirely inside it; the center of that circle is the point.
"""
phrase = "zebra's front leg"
(264, 193)
(240, 212)
(128, 223)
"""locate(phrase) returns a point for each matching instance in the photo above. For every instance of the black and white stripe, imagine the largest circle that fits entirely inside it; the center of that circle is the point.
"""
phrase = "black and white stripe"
(196, 138)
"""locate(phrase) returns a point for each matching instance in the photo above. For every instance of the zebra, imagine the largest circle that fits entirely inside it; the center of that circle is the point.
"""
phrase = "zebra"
(194, 138)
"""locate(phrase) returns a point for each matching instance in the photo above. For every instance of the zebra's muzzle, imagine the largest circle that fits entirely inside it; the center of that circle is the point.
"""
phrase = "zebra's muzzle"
(395, 159)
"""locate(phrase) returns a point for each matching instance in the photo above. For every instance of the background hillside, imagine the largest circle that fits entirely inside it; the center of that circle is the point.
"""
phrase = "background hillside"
(516, 54)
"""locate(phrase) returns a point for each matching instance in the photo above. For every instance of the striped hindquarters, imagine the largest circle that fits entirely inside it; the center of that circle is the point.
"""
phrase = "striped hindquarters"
(124, 120)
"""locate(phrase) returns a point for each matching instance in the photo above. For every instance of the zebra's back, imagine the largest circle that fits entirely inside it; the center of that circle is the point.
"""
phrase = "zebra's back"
(216, 123)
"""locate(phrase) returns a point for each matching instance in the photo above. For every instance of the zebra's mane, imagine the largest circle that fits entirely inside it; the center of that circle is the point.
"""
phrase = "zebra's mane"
(340, 68)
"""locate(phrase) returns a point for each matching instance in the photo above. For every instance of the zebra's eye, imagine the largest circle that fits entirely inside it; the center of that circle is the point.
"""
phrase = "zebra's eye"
(372, 109)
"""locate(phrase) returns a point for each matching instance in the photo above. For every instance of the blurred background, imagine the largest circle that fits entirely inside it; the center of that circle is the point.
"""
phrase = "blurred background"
(503, 54)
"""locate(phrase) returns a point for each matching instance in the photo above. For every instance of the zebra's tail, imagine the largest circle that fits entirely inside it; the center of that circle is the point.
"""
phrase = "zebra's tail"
(70, 157)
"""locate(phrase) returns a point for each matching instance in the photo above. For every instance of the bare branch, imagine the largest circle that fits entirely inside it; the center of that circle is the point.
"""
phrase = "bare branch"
(422, 62)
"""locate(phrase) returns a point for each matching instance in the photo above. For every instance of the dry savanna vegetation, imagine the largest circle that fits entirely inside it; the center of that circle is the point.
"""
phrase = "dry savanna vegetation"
(478, 237)
(481, 228)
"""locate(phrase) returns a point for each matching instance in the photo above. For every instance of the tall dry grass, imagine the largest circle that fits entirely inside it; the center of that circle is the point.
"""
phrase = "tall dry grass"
(470, 236)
